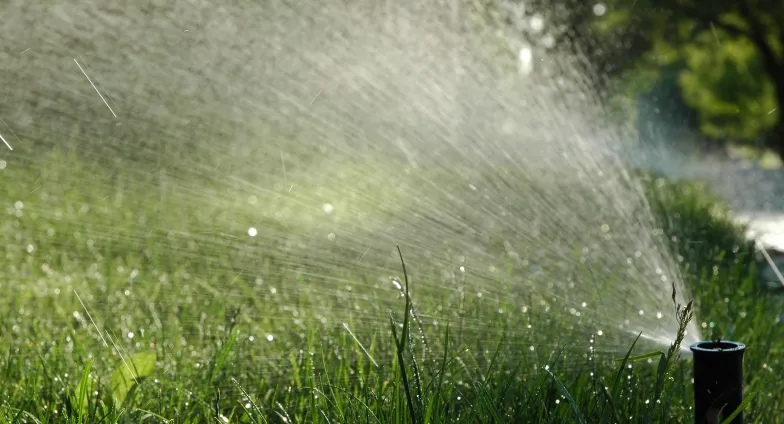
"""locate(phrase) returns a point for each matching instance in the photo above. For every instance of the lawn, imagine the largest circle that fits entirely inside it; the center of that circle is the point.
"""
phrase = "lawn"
(125, 302)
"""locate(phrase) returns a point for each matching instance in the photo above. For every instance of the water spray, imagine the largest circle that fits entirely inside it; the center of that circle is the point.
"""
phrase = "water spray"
(718, 380)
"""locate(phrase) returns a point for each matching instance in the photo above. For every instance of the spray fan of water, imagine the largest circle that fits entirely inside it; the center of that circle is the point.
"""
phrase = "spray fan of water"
(316, 139)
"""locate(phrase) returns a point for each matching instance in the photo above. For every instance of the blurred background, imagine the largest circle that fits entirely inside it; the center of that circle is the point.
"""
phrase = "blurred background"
(700, 83)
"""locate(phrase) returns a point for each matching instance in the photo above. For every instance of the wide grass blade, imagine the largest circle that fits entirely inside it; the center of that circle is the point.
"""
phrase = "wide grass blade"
(82, 404)
(743, 405)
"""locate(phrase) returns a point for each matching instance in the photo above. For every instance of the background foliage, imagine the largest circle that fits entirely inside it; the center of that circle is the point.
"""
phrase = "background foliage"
(714, 70)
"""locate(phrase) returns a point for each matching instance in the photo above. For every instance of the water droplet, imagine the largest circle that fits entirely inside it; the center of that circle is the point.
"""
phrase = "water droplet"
(130, 334)
(658, 314)
(397, 284)
(3, 164)
(328, 208)
(548, 41)
(19, 204)
(252, 232)
(600, 332)
(605, 228)
(331, 236)
(526, 60)
(270, 337)
(537, 24)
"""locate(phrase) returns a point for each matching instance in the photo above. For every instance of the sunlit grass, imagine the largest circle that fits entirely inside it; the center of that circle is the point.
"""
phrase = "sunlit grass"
(108, 319)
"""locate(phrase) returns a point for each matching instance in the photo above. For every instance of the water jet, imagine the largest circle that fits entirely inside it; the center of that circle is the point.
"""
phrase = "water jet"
(718, 380)
(396, 127)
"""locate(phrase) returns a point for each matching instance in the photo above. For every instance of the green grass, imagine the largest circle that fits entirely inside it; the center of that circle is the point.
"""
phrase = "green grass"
(224, 332)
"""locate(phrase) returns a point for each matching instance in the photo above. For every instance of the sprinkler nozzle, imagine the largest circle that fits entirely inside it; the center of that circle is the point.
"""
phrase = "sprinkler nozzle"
(718, 380)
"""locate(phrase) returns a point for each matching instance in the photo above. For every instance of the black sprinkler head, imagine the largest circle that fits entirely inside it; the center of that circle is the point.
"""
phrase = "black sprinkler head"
(718, 380)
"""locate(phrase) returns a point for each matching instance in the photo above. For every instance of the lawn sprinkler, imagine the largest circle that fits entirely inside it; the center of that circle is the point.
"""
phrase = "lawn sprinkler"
(718, 380)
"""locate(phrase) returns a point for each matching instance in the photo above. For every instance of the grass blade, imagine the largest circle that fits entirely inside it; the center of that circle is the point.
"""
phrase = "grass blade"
(220, 359)
(743, 405)
(645, 356)
(568, 397)
(611, 401)
(401, 361)
(617, 382)
(82, 405)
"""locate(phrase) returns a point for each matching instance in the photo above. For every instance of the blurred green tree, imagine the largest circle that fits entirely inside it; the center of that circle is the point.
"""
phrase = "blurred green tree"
(730, 57)
(715, 66)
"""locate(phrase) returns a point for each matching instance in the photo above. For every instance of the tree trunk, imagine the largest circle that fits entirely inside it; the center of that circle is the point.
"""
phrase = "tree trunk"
(775, 138)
